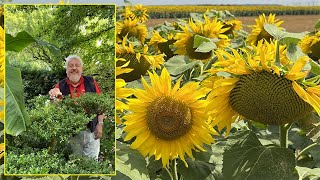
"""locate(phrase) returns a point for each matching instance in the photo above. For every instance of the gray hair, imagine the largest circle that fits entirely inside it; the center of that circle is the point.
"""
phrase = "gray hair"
(73, 57)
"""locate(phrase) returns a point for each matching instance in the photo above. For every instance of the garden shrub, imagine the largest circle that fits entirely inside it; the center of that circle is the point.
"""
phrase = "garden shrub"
(52, 125)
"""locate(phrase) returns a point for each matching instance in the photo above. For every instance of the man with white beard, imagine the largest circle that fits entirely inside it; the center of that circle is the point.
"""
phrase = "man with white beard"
(87, 142)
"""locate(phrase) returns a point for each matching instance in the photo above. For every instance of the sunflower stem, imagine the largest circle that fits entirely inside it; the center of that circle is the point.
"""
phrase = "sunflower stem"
(306, 149)
(278, 53)
(283, 129)
(170, 174)
(174, 170)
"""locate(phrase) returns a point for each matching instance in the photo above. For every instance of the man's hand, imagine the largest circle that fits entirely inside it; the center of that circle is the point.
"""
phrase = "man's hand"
(99, 127)
(55, 92)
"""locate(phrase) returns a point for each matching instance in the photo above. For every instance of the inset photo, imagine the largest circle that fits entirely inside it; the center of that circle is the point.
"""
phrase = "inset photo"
(60, 84)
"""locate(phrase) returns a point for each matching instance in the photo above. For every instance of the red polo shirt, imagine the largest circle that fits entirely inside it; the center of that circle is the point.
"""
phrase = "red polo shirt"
(80, 88)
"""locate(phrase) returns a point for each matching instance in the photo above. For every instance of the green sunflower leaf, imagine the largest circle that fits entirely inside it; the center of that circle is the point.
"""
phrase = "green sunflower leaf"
(307, 173)
(274, 31)
(130, 163)
(293, 38)
(315, 67)
(178, 65)
(120, 176)
(198, 40)
(208, 164)
(294, 52)
(155, 169)
(206, 47)
(196, 169)
(311, 128)
(246, 158)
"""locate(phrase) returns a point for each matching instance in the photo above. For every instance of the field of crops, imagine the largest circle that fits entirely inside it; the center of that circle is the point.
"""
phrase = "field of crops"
(184, 11)
(292, 23)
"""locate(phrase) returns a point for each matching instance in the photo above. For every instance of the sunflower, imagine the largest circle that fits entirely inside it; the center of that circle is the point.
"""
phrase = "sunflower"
(138, 61)
(258, 32)
(163, 44)
(131, 28)
(168, 122)
(138, 12)
(209, 29)
(232, 25)
(121, 92)
(259, 88)
(122, 69)
(310, 44)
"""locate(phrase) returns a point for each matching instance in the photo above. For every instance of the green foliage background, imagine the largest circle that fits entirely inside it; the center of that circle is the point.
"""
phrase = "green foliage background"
(60, 31)
(39, 37)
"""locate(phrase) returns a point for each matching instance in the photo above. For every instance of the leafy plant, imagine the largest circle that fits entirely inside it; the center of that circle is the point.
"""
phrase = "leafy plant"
(85, 165)
(91, 103)
(40, 162)
(53, 123)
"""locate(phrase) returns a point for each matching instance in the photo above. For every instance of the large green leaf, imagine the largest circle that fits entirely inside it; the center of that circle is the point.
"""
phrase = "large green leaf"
(294, 52)
(178, 65)
(274, 31)
(18, 43)
(130, 162)
(307, 173)
(246, 158)
(155, 169)
(196, 169)
(16, 114)
(206, 47)
(120, 176)
(293, 38)
(207, 164)
(198, 40)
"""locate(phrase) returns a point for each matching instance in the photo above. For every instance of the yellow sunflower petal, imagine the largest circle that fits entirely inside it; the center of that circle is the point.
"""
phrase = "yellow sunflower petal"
(306, 96)
(294, 72)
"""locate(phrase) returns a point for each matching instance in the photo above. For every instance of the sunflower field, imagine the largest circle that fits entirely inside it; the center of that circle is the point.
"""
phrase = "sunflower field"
(200, 98)
(184, 11)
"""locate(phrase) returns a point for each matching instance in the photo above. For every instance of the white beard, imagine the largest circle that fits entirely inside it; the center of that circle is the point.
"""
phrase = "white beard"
(74, 78)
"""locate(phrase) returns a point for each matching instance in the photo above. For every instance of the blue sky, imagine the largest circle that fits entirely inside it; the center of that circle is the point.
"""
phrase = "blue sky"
(177, 2)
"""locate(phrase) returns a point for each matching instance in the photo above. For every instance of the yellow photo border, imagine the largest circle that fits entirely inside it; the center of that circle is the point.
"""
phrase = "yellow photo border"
(4, 131)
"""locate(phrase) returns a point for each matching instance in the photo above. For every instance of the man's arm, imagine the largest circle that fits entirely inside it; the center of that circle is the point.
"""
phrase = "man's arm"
(98, 131)
(55, 92)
